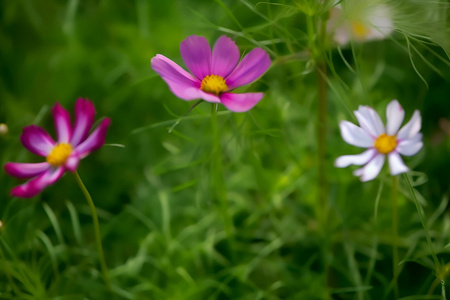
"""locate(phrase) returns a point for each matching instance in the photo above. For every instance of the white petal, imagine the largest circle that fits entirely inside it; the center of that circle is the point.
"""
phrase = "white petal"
(396, 165)
(410, 147)
(337, 25)
(411, 128)
(359, 159)
(369, 120)
(341, 36)
(355, 135)
(381, 21)
(372, 169)
(394, 117)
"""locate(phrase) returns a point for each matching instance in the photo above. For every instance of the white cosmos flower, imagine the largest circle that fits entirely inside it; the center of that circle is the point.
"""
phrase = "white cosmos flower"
(381, 141)
(360, 21)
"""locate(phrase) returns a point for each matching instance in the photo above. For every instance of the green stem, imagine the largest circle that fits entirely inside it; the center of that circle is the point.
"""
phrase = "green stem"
(321, 139)
(395, 233)
(218, 186)
(424, 225)
(98, 239)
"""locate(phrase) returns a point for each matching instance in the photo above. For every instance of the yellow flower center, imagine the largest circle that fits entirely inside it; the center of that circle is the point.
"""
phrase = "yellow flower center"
(214, 84)
(59, 154)
(385, 143)
(360, 30)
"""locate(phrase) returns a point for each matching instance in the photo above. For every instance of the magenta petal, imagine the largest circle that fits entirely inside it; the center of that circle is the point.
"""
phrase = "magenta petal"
(225, 57)
(63, 126)
(72, 163)
(94, 141)
(26, 170)
(36, 185)
(240, 102)
(84, 118)
(180, 82)
(37, 140)
(252, 66)
(196, 54)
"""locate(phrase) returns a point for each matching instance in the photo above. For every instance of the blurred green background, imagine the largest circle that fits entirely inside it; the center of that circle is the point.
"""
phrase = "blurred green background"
(162, 226)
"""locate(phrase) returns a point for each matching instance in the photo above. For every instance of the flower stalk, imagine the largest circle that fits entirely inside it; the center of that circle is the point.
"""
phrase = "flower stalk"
(218, 184)
(98, 239)
(395, 233)
(321, 138)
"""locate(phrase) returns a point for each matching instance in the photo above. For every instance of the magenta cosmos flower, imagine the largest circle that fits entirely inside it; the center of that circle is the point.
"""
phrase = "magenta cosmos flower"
(380, 141)
(215, 74)
(74, 143)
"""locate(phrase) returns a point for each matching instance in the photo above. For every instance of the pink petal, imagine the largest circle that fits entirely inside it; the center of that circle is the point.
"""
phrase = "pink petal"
(84, 118)
(26, 170)
(372, 169)
(192, 93)
(62, 123)
(225, 57)
(72, 163)
(358, 159)
(212, 98)
(36, 185)
(180, 82)
(355, 135)
(251, 67)
(171, 71)
(411, 128)
(37, 140)
(396, 165)
(196, 54)
(94, 141)
(370, 121)
(240, 102)
(394, 117)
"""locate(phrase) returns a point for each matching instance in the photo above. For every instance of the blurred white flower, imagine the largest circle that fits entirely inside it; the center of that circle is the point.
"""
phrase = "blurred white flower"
(381, 141)
(359, 21)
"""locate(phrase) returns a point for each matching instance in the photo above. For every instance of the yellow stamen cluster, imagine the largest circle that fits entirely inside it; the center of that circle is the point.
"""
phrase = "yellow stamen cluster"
(385, 143)
(59, 154)
(214, 84)
(360, 30)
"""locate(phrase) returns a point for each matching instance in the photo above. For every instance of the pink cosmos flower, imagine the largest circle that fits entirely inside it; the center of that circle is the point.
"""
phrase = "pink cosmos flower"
(74, 143)
(381, 141)
(215, 74)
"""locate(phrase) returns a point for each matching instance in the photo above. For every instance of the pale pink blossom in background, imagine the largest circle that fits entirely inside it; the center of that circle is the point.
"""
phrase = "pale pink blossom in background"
(368, 23)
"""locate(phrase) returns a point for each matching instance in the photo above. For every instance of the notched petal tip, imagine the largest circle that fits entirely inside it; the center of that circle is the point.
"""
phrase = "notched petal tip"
(225, 56)
(356, 159)
(355, 135)
(196, 54)
(394, 117)
(25, 170)
(36, 185)
(251, 67)
(84, 119)
(396, 164)
(94, 141)
(412, 128)
(371, 170)
(61, 118)
(37, 140)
